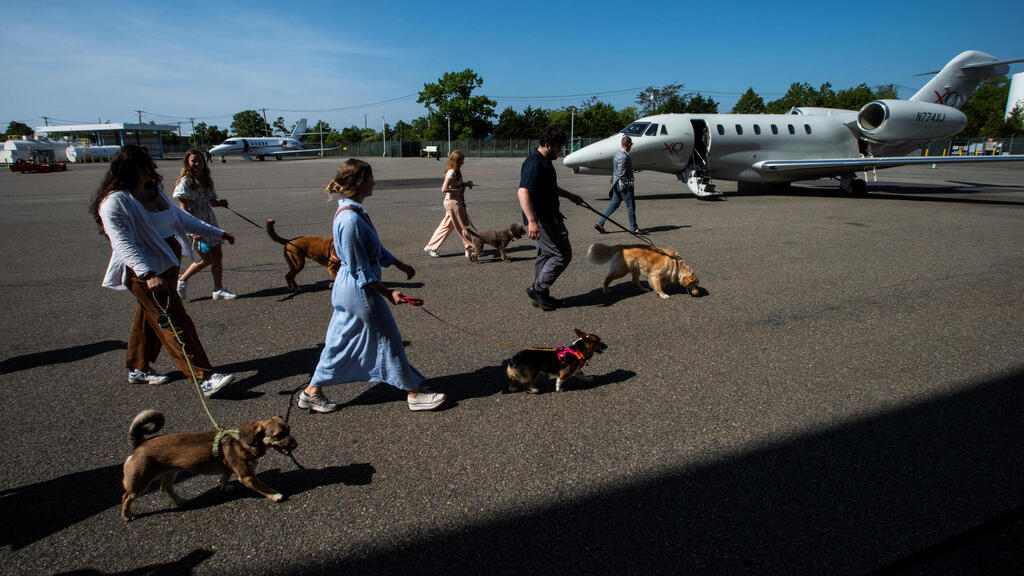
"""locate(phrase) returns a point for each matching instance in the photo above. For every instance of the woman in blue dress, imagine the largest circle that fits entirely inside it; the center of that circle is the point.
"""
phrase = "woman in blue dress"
(362, 343)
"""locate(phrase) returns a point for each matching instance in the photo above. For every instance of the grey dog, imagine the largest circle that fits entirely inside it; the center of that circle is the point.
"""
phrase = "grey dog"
(497, 238)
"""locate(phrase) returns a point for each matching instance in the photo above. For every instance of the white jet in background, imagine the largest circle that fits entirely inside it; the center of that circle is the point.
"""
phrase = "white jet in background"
(259, 148)
(805, 143)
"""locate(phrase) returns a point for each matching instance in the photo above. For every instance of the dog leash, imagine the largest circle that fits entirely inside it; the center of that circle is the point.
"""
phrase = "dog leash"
(317, 257)
(166, 318)
(221, 432)
(418, 303)
(643, 238)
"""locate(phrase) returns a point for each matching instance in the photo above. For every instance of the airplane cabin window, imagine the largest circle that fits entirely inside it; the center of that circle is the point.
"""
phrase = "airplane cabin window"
(664, 132)
(652, 130)
(721, 130)
(739, 130)
(775, 130)
(807, 128)
(791, 129)
(635, 129)
(757, 129)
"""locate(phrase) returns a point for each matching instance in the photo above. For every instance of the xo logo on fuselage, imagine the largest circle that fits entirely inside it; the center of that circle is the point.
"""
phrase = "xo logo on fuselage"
(674, 147)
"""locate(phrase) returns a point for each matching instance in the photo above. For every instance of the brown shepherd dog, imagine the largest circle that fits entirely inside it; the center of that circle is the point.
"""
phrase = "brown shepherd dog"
(296, 250)
(162, 457)
(661, 267)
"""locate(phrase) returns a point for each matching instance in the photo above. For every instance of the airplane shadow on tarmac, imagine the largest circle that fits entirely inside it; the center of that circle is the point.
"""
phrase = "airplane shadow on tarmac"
(927, 488)
(59, 356)
(887, 191)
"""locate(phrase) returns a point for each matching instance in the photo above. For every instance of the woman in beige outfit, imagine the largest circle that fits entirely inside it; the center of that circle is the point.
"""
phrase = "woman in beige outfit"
(455, 217)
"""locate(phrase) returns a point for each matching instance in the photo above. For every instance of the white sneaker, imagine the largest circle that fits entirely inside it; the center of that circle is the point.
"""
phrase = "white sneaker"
(224, 294)
(467, 252)
(183, 290)
(430, 252)
(316, 403)
(214, 383)
(425, 401)
(147, 377)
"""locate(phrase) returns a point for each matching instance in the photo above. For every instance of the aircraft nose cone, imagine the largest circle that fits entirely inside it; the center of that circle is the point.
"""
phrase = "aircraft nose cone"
(595, 155)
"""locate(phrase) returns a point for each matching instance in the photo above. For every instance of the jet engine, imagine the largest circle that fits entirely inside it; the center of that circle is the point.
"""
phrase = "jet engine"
(891, 120)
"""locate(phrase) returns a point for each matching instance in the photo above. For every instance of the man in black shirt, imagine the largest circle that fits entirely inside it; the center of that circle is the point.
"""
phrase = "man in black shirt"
(538, 197)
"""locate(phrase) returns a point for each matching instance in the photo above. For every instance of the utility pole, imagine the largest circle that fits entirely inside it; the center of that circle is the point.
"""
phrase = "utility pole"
(193, 121)
(384, 135)
(46, 120)
(140, 116)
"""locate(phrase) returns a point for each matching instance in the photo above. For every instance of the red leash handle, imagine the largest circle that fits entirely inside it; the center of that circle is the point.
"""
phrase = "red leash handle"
(412, 301)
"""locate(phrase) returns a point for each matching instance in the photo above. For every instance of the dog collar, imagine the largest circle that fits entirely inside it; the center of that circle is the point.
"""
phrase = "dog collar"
(220, 436)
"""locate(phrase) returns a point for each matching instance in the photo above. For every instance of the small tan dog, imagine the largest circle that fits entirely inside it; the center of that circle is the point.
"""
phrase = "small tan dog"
(661, 267)
(164, 456)
(319, 248)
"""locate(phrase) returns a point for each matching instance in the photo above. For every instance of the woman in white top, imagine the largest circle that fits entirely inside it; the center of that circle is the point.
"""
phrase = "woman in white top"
(196, 195)
(144, 230)
(455, 217)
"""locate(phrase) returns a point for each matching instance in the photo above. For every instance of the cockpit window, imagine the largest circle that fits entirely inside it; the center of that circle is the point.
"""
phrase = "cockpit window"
(652, 130)
(635, 129)
(664, 132)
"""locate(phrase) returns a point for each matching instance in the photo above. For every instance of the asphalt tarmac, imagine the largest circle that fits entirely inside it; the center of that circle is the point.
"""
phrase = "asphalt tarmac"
(845, 398)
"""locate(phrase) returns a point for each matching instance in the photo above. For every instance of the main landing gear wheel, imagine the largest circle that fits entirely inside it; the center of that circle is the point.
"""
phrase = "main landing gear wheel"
(854, 186)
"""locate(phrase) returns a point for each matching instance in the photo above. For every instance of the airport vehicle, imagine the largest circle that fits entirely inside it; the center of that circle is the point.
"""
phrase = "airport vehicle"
(805, 143)
(259, 148)
(30, 167)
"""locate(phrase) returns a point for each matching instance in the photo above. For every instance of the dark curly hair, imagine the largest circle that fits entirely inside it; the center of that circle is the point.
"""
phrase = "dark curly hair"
(552, 136)
(123, 174)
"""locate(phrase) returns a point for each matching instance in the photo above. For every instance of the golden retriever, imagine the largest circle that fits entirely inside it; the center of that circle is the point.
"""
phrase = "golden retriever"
(661, 267)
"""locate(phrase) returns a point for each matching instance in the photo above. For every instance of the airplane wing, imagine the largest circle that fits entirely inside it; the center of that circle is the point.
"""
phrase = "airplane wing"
(856, 164)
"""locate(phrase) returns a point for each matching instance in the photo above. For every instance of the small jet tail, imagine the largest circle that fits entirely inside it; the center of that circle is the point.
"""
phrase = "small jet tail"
(959, 78)
(299, 131)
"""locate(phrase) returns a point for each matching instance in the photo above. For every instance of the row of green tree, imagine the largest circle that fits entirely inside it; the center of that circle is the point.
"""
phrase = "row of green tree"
(452, 105)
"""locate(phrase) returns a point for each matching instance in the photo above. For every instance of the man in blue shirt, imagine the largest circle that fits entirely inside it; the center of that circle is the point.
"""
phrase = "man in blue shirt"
(538, 197)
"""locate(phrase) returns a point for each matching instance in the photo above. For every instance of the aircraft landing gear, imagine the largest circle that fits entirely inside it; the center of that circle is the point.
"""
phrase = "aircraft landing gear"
(261, 158)
(854, 186)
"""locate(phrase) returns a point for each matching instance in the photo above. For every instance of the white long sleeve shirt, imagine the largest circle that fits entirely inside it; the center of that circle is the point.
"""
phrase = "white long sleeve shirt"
(136, 245)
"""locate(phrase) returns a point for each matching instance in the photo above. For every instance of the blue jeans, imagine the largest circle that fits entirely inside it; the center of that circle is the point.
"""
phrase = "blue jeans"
(618, 197)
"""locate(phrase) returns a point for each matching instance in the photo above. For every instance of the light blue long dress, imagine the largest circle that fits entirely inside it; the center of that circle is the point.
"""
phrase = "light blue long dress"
(362, 343)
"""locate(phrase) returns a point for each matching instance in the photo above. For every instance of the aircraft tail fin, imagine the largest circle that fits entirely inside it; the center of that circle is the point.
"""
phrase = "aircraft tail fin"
(959, 78)
(300, 129)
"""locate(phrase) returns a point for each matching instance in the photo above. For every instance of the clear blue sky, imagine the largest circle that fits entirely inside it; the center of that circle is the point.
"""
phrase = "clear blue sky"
(83, 61)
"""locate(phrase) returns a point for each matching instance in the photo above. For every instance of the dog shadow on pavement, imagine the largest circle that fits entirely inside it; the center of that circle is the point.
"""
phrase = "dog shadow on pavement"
(186, 565)
(491, 380)
(291, 483)
(33, 512)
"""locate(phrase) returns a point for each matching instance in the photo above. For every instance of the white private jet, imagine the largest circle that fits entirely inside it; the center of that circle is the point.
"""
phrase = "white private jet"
(259, 148)
(805, 143)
